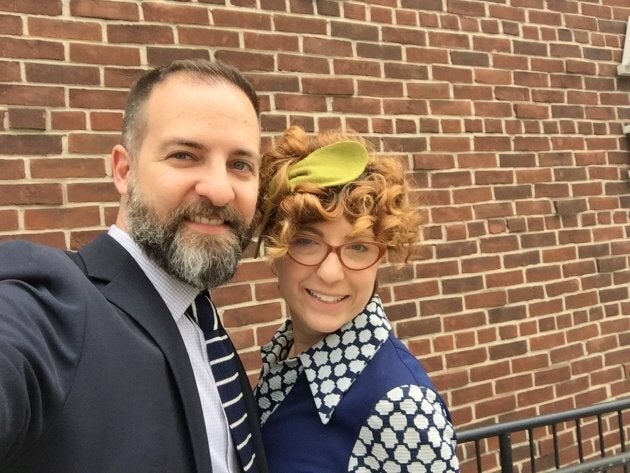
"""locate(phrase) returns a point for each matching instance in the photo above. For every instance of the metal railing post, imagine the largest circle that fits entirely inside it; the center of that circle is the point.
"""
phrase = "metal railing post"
(505, 452)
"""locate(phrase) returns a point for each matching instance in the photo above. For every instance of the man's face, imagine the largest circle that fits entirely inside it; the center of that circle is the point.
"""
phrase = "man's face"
(193, 184)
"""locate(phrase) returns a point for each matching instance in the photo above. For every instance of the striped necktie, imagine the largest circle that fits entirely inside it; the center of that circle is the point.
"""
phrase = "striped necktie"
(223, 363)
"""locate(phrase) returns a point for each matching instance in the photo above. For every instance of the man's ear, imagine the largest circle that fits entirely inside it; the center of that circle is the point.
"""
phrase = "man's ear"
(121, 169)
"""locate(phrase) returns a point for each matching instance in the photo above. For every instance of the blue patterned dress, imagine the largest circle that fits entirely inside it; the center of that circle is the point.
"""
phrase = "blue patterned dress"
(358, 401)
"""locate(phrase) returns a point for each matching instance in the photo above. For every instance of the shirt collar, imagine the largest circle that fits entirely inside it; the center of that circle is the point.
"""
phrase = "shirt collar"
(177, 295)
(351, 348)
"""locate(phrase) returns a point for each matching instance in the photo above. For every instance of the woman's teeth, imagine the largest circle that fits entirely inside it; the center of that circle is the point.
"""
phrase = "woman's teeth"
(325, 298)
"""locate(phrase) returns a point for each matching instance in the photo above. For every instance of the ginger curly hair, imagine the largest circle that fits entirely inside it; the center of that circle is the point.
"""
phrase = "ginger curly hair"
(378, 200)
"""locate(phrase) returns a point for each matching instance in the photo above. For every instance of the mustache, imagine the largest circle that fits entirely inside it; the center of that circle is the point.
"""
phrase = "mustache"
(229, 215)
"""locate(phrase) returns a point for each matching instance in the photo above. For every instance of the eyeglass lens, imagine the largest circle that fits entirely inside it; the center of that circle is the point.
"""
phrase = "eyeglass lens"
(354, 255)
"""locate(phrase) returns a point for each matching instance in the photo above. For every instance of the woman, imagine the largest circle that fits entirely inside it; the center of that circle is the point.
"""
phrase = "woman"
(338, 392)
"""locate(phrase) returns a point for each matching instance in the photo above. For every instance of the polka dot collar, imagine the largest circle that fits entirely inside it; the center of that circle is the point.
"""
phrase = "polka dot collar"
(330, 366)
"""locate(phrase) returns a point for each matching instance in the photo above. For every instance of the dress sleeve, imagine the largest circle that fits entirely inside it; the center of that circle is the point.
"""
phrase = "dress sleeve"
(408, 430)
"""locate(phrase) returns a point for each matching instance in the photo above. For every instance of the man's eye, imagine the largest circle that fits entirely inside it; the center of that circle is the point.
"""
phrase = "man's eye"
(181, 156)
(243, 166)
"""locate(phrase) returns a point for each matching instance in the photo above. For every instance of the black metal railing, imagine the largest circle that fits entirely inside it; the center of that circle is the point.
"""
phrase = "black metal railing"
(607, 446)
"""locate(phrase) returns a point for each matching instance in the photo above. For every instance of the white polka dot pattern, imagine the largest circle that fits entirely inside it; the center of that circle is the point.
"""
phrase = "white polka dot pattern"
(330, 366)
(408, 431)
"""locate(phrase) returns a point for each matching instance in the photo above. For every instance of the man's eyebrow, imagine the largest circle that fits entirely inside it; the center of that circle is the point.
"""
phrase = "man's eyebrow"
(248, 154)
(182, 142)
(198, 146)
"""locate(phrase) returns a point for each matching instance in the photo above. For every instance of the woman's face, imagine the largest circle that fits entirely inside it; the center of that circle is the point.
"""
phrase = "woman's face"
(324, 297)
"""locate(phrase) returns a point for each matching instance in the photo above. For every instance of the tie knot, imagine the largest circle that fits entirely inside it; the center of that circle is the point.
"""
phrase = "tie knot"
(204, 312)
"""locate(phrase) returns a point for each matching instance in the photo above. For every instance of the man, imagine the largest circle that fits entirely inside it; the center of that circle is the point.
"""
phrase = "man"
(103, 364)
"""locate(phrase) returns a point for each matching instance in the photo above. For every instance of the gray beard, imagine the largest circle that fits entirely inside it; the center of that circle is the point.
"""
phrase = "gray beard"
(200, 260)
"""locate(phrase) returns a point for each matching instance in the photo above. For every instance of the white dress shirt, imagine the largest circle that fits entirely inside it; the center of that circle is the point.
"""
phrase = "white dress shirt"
(178, 296)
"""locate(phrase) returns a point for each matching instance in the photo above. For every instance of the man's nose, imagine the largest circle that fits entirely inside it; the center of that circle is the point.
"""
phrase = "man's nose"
(215, 185)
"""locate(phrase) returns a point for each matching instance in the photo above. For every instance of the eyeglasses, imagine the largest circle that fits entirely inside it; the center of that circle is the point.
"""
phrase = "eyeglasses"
(356, 255)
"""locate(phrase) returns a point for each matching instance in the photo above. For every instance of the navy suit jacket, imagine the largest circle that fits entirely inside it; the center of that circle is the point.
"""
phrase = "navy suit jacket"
(94, 375)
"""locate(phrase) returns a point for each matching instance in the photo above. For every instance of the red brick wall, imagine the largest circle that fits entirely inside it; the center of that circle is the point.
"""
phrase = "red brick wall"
(509, 114)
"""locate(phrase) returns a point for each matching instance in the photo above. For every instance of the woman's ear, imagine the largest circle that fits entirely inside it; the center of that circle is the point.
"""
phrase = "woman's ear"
(121, 169)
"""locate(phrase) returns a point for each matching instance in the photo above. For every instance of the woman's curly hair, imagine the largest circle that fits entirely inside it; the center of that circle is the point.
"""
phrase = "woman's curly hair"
(378, 200)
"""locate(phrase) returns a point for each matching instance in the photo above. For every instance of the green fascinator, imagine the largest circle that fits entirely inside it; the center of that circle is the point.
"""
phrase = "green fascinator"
(329, 166)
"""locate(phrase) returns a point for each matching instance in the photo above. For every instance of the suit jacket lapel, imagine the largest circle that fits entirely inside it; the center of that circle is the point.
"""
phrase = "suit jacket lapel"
(125, 285)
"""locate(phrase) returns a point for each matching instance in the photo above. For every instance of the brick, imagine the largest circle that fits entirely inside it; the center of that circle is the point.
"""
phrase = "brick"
(33, 7)
(205, 37)
(106, 121)
(31, 95)
(55, 239)
(450, 214)
(61, 120)
(92, 192)
(328, 47)
(499, 244)
(11, 25)
(58, 74)
(107, 99)
(9, 71)
(27, 118)
(31, 49)
(30, 194)
(104, 54)
(524, 294)
(110, 214)
(325, 86)
(461, 285)
(92, 143)
(466, 357)
(303, 25)
(118, 77)
(499, 315)
(58, 29)
(363, 105)
(243, 339)
(393, 106)
(449, 143)
(440, 306)
(382, 89)
(483, 264)
(244, 316)
(105, 9)
(403, 311)
(12, 169)
(29, 144)
(485, 300)
(72, 217)
(493, 210)
(234, 18)
(246, 61)
(300, 102)
(522, 383)
(58, 168)
(562, 287)
(508, 350)
(8, 219)
(136, 33)
(175, 14)
(357, 67)
(496, 404)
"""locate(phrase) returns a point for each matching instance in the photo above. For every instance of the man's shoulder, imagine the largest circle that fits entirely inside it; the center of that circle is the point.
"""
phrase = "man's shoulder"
(25, 250)
(20, 259)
